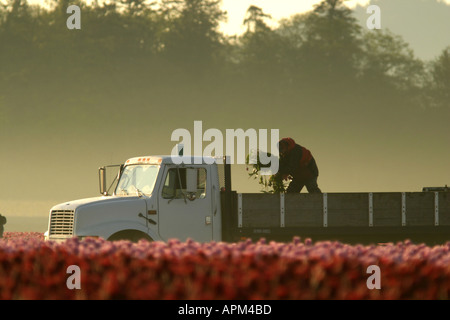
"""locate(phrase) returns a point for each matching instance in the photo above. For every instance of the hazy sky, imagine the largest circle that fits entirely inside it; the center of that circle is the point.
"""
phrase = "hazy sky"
(278, 9)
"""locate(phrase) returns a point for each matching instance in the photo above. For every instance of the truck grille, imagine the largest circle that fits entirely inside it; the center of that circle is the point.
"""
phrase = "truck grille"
(61, 222)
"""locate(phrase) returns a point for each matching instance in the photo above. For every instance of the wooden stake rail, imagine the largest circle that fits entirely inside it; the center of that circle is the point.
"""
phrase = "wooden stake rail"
(406, 209)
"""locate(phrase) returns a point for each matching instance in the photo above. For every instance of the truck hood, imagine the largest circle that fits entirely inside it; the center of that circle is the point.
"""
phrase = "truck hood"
(77, 204)
(102, 216)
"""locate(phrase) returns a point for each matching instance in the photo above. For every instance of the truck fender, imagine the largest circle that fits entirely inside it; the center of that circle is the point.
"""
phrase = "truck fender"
(133, 235)
(130, 231)
(130, 234)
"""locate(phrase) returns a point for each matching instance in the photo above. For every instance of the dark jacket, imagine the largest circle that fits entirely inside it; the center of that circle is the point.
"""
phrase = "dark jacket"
(299, 163)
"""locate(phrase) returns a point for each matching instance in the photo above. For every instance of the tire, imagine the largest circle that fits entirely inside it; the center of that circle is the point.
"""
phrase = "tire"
(130, 235)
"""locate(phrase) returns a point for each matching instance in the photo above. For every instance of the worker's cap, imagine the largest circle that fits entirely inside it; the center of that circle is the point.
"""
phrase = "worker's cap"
(288, 143)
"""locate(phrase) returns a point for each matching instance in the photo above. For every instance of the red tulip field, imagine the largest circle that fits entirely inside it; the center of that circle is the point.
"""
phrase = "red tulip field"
(31, 268)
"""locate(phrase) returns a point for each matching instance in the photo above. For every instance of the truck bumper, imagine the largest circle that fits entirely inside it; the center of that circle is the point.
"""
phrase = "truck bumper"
(57, 238)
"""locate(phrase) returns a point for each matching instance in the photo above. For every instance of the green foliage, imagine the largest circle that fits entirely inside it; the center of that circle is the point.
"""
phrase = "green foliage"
(440, 74)
(321, 49)
(390, 59)
(270, 184)
(255, 20)
(192, 35)
(332, 40)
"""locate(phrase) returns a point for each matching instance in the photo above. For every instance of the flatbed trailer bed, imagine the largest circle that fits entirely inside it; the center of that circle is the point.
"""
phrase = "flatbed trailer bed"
(347, 217)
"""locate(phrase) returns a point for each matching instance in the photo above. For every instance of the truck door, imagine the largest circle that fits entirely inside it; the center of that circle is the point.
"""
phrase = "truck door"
(181, 214)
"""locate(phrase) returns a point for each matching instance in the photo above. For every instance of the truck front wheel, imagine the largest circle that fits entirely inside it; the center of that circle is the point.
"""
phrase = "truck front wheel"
(131, 235)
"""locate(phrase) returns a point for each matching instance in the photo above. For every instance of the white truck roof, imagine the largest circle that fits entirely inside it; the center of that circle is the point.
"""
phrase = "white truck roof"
(157, 160)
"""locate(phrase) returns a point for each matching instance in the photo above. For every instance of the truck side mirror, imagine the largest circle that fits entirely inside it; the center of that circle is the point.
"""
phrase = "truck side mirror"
(191, 180)
(102, 180)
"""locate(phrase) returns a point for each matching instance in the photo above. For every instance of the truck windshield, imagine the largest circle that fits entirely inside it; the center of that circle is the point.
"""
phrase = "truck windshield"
(137, 180)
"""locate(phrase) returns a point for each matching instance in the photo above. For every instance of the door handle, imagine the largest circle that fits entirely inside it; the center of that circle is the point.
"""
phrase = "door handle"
(140, 215)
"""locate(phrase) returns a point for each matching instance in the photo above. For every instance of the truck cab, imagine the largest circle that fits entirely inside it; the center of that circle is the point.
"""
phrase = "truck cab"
(155, 198)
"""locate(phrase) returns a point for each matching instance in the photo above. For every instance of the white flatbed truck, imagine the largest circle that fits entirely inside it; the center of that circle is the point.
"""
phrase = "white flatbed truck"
(156, 198)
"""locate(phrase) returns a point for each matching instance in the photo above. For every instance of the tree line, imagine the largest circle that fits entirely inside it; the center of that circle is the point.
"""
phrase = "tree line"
(134, 44)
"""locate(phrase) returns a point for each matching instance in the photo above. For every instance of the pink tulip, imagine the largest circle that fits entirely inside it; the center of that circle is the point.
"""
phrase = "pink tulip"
(33, 269)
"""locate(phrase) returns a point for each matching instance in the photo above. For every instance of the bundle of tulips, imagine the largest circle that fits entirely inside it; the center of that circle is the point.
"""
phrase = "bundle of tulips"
(31, 268)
